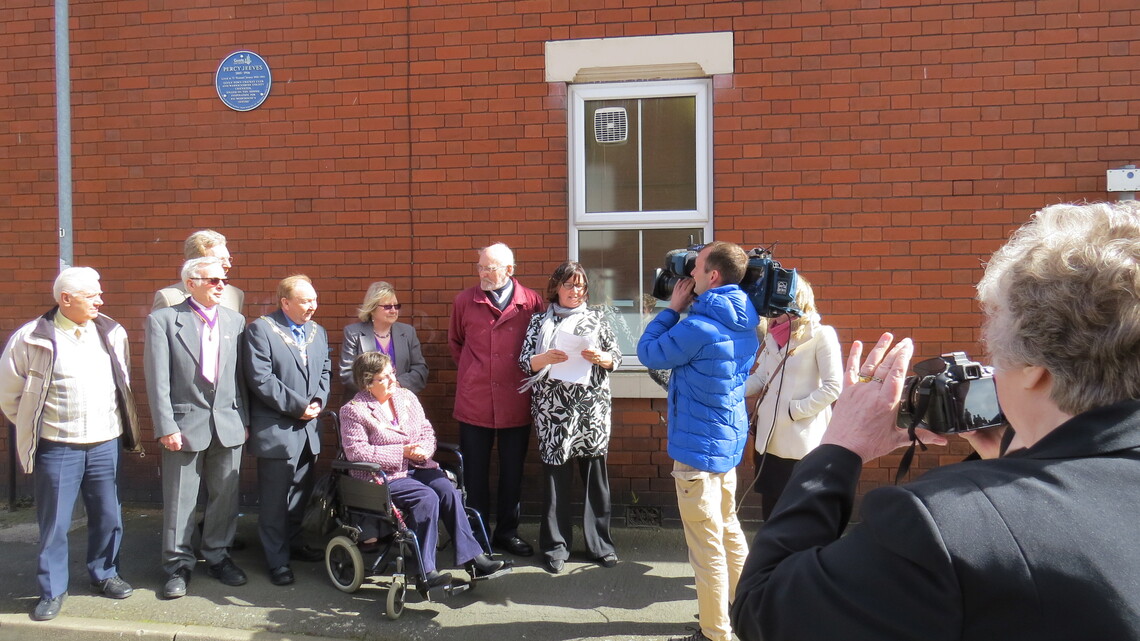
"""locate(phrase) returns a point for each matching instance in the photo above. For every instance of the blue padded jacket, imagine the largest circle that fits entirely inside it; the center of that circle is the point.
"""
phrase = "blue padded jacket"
(710, 353)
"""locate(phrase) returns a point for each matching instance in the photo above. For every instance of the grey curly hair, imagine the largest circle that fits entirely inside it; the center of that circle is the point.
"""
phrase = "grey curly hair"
(1064, 294)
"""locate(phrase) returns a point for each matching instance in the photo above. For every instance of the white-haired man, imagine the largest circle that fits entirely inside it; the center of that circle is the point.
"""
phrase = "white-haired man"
(198, 405)
(488, 325)
(64, 382)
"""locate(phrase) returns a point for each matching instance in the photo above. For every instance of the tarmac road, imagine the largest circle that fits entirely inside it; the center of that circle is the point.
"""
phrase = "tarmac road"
(649, 595)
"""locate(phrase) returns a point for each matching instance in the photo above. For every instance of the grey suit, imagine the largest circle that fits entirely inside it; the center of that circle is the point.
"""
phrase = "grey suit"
(211, 418)
(410, 366)
(169, 296)
(282, 384)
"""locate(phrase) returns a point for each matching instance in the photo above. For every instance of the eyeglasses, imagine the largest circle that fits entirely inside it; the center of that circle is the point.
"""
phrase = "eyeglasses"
(569, 286)
(490, 269)
(391, 308)
(386, 375)
(214, 282)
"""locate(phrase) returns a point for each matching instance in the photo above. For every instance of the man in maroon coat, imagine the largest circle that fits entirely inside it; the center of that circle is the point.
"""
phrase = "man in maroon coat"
(488, 324)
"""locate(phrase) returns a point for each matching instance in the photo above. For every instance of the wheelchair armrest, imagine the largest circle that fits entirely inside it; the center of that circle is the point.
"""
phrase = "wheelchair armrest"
(455, 464)
(360, 466)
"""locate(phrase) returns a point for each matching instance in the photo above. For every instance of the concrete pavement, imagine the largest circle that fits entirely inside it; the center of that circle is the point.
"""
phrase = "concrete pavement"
(649, 595)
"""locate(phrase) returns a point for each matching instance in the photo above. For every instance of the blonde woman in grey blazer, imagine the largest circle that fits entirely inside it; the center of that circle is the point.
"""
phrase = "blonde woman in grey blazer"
(378, 331)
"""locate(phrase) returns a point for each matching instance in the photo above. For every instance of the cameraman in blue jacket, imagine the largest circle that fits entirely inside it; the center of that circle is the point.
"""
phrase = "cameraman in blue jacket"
(710, 353)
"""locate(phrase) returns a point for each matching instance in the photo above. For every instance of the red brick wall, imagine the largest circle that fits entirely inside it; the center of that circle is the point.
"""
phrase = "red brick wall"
(887, 146)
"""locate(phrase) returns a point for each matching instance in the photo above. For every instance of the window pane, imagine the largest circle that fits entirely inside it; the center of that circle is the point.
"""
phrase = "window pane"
(612, 260)
(611, 167)
(621, 265)
(670, 153)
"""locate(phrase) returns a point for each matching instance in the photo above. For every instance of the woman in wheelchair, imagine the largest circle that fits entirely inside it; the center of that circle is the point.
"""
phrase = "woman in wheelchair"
(385, 424)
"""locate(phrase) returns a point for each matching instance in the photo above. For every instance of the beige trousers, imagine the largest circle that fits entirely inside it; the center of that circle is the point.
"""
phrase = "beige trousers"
(717, 547)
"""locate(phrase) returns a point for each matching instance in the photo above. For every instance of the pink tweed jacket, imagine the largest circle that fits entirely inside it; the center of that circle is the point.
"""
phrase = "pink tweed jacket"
(369, 437)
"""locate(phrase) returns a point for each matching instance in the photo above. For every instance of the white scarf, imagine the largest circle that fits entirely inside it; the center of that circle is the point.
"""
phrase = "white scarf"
(570, 317)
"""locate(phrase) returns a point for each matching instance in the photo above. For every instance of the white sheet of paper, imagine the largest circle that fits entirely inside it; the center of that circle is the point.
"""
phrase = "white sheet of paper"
(576, 369)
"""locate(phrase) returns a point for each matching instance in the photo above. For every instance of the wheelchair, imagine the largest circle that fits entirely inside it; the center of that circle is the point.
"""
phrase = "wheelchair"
(398, 549)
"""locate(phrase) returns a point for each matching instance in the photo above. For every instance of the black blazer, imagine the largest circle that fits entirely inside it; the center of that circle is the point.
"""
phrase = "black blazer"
(281, 386)
(1038, 545)
(410, 367)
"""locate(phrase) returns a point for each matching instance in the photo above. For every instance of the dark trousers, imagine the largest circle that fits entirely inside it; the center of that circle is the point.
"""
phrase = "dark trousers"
(284, 486)
(425, 497)
(63, 472)
(476, 443)
(773, 478)
(557, 533)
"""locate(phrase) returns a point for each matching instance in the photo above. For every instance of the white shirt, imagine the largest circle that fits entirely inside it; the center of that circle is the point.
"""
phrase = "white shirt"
(80, 406)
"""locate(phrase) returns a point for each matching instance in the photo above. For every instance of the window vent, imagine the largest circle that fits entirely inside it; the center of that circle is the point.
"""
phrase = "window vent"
(611, 124)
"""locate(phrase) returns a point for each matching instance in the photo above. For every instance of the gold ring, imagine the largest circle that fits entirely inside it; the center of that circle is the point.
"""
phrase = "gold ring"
(866, 379)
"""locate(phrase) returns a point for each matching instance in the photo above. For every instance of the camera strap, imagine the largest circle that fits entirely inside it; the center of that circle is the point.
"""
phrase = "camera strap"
(908, 455)
(764, 390)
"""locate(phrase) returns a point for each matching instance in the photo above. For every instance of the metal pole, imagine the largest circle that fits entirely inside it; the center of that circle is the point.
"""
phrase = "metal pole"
(63, 131)
(11, 467)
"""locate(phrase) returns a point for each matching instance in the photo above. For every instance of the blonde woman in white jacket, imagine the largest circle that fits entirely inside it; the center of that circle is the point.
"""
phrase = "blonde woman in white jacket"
(796, 406)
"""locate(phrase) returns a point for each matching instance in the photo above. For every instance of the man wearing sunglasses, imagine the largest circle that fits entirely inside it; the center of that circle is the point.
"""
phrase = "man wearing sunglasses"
(201, 244)
(198, 406)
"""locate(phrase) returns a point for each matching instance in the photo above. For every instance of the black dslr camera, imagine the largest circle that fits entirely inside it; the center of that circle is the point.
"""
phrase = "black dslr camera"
(949, 395)
(771, 288)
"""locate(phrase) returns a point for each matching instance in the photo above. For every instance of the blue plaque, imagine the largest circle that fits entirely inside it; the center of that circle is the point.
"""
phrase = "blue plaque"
(243, 80)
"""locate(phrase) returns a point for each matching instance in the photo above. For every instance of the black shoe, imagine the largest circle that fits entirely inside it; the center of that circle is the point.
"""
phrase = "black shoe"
(608, 561)
(695, 636)
(48, 609)
(484, 567)
(434, 580)
(553, 566)
(114, 587)
(281, 575)
(176, 583)
(227, 572)
(515, 546)
(306, 554)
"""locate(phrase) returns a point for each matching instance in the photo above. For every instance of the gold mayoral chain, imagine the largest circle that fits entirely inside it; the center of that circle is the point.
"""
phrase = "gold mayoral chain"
(289, 340)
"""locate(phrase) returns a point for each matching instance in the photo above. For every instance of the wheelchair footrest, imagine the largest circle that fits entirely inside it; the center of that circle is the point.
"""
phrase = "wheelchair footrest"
(456, 588)
(506, 569)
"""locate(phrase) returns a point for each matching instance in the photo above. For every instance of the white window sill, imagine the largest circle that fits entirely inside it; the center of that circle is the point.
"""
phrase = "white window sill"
(634, 384)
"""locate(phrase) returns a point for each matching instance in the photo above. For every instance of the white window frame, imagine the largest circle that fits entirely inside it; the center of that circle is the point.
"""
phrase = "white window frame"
(701, 90)
(635, 383)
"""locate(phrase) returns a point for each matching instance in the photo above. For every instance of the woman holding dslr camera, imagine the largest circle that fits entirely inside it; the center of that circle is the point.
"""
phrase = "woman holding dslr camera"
(1036, 544)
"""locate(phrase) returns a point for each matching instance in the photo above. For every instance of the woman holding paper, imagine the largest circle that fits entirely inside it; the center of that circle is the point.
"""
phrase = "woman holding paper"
(570, 351)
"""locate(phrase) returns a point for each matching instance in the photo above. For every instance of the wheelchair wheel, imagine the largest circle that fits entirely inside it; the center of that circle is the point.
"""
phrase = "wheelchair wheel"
(344, 564)
(394, 606)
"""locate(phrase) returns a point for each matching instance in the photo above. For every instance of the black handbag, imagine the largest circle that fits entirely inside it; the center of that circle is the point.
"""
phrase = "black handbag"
(320, 514)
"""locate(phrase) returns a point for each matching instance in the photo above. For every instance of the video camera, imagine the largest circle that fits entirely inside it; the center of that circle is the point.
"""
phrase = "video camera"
(949, 395)
(770, 287)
